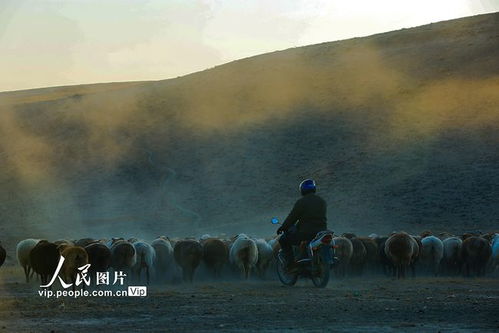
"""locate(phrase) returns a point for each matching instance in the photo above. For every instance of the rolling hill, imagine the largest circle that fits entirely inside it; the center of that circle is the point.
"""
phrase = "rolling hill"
(400, 130)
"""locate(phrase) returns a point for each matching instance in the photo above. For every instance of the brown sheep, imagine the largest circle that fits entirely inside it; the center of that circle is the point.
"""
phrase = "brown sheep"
(417, 255)
(74, 258)
(475, 254)
(44, 258)
(386, 263)
(425, 233)
(359, 254)
(123, 255)
(343, 251)
(188, 255)
(372, 257)
(401, 249)
(215, 255)
(62, 244)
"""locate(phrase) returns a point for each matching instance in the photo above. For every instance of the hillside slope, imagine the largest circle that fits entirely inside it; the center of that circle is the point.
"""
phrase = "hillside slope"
(400, 130)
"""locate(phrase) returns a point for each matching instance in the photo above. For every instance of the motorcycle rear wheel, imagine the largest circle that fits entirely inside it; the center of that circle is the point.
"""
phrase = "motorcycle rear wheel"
(286, 278)
(320, 277)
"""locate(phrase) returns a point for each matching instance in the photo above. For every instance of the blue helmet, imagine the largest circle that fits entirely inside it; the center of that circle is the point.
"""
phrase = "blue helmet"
(307, 186)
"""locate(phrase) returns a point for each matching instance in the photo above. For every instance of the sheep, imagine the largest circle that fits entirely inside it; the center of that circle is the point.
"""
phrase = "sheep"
(123, 254)
(164, 256)
(244, 254)
(84, 242)
(99, 258)
(401, 249)
(372, 257)
(265, 256)
(425, 233)
(475, 253)
(432, 253)
(3, 255)
(63, 243)
(275, 245)
(74, 258)
(343, 251)
(43, 259)
(349, 235)
(146, 256)
(359, 254)
(385, 262)
(204, 237)
(188, 254)
(444, 235)
(174, 241)
(215, 255)
(495, 251)
(23, 250)
(417, 255)
(451, 262)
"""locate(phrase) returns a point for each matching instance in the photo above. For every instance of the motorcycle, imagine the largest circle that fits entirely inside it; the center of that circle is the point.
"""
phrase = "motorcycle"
(316, 259)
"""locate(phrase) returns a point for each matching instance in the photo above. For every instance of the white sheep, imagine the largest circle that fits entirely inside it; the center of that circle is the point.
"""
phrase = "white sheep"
(164, 256)
(243, 254)
(204, 237)
(146, 256)
(265, 256)
(432, 253)
(23, 250)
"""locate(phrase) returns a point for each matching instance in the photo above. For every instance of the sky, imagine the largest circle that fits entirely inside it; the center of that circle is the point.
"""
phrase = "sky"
(63, 42)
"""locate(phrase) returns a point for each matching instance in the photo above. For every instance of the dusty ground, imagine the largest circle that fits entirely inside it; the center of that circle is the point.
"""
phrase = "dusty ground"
(358, 305)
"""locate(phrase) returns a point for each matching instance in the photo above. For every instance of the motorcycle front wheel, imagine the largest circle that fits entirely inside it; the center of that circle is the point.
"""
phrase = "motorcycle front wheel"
(320, 275)
(286, 278)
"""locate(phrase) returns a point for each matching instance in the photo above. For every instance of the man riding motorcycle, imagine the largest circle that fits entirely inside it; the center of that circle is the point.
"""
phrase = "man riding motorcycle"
(307, 218)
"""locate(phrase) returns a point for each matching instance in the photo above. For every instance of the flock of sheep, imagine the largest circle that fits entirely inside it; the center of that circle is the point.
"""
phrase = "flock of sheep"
(163, 257)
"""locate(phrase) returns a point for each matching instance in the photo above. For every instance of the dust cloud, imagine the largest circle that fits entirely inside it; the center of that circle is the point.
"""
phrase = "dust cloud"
(161, 157)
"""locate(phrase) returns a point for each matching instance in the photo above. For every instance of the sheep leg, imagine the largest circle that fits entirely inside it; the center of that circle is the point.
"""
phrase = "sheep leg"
(31, 273)
(246, 271)
(26, 273)
(147, 274)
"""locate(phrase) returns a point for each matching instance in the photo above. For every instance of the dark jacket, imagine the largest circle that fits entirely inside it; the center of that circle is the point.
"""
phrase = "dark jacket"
(310, 213)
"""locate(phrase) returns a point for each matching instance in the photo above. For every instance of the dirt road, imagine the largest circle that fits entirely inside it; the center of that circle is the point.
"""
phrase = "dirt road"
(357, 305)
